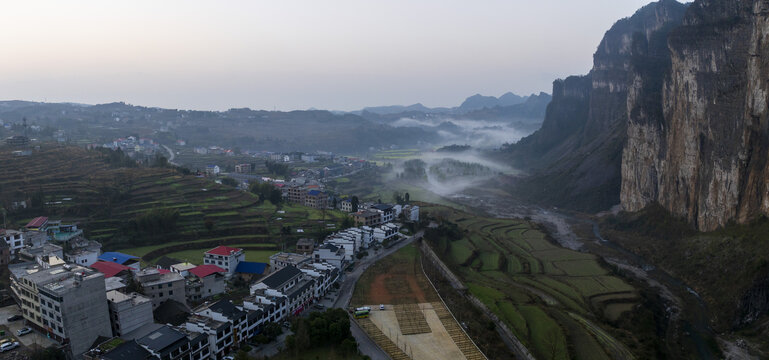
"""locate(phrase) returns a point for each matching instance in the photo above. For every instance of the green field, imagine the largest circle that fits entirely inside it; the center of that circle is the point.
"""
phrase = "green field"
(149, 212)
(535, 286)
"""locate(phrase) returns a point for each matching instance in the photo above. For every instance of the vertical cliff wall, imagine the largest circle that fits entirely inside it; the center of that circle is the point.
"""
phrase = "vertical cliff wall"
(575, 158)
(705, 158)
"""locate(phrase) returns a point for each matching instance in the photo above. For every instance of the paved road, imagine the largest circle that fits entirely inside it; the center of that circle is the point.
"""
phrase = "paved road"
(171, 156)
(35, 338)
(365, 344)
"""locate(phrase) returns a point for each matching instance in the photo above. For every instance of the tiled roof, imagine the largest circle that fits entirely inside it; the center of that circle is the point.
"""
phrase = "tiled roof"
(109, 268)
(280, 277)
(37, 222)
(205, 270)
(223, 250)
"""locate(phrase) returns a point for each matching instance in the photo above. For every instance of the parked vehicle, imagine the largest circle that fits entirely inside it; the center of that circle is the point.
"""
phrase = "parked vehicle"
(381, 306)
(23, 331)
(362, 314)
(9, 346)
(318, 306)
(15, 318)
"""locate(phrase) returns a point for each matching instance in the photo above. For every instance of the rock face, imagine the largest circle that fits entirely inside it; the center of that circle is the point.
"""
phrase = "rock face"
(575, 157)
(700, 150)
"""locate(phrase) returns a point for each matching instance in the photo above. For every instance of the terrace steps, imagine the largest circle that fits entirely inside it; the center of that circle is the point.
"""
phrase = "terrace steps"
(387, 345)
(457, 334)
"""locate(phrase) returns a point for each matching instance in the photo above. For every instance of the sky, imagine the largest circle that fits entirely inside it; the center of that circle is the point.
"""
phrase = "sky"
(295, 54)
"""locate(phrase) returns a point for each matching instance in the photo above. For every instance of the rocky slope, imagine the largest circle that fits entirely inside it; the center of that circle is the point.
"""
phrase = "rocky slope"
(702, 153)
(575, 157)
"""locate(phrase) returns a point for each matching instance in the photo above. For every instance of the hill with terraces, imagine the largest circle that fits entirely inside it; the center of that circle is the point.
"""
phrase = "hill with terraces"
(149, 212)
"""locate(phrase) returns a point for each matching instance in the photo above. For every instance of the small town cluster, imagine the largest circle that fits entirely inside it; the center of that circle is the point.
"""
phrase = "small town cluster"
(106, 305)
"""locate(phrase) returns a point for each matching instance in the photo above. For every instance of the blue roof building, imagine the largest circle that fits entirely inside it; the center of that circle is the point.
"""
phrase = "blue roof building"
(120, 258)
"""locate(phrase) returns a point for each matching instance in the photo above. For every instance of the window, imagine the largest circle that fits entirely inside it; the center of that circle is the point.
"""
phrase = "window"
(170, 292)
(169, 284)
(56, 307)
(160, 294)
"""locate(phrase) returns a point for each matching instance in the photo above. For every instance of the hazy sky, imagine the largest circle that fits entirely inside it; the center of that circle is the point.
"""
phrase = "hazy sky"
(288, 54)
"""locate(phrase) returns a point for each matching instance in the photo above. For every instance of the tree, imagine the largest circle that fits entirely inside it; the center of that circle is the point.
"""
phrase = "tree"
(354, 203)
(406, 197)
(347, 222)
(333, 202)
(209, 225)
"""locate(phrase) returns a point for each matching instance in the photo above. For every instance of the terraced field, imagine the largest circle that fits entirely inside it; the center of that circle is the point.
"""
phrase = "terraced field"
(550, 297)
(79, 185)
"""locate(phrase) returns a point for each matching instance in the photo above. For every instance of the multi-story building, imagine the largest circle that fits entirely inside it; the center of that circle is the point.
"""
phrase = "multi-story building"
(316, 199)
(218, 334)
(345, 205)
(243, 168)
(296, 194)
(287, 289)
(14, 239)
(161, 286)
(225, 311)
(128, 312)
(385, 232)
(82, 251)
(224, 257)
(347, 245)
(68, 302)
(204, 281)
(324, 275)
(305, 246)
(386, 212)
(282, 259)
(329, 253)
(367, 218)
(411, 212)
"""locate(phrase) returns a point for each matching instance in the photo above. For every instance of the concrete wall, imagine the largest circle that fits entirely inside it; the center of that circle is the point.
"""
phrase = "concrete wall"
(85, 314)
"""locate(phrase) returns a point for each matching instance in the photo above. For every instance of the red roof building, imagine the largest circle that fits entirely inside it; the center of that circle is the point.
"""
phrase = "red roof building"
(110, 269)
(223, 250)
(224, 257)
(205, 270)
(37, 223)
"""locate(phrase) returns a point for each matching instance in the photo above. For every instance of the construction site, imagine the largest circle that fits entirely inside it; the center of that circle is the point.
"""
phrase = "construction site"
(409, 320)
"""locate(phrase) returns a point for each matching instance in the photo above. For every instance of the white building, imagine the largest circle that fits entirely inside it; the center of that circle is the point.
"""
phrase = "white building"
(385, 232)
(411, 212)
(224, 257)
(83, 251)
(330, 254)
(14, 239)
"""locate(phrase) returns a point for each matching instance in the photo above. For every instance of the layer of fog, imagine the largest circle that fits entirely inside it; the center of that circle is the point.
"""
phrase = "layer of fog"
(483, 134)
(456, 185)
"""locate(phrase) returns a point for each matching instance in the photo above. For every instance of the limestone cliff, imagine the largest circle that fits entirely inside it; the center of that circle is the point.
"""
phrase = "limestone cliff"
(701, 151)
(575, 157)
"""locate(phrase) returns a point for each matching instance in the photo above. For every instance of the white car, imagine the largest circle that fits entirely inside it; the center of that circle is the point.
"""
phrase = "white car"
(381, 306)
(9, 346)
(23, 331)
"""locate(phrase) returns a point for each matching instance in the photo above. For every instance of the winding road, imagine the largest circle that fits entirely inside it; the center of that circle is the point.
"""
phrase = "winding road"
(365, 345)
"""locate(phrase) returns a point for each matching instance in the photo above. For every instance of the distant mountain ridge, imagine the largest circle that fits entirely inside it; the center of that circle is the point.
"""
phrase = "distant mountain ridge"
(475, 102)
